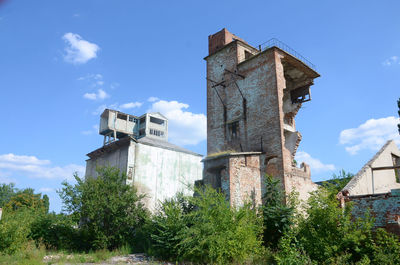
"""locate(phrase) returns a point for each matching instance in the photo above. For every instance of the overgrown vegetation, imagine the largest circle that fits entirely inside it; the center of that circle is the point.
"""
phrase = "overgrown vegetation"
(108, 211)
(205, 229)
(103, 214)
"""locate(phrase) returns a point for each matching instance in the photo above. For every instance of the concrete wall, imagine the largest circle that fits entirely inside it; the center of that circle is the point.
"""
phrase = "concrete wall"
(116, 158)
(161, 173)
(384, 180)
(385, 208)
(157, 172)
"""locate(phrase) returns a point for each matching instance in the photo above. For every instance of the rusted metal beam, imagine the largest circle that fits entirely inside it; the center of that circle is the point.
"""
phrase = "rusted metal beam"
(231, 72)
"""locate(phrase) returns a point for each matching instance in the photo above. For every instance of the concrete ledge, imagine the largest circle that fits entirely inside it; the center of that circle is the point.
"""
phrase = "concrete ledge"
(217, 156)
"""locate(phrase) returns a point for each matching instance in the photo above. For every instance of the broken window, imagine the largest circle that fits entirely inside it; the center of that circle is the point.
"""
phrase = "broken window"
(142, 132)
(233, 129)
(301, 94)
(157, 132)
(156, 120)
(247, 55)
(122, 116)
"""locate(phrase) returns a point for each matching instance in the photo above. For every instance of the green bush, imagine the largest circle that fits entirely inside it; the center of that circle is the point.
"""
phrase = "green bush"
(329, 231)
(278, 212)
(56, 231)
(205, 229)
(109, 211)
(386, 248)
(167, 228)
(14, 230)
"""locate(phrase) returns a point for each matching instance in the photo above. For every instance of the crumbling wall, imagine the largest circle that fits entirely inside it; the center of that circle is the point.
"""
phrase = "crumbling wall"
(299, 180)
(238, 175)
(251, 90)
(245, 180)
(385, 208)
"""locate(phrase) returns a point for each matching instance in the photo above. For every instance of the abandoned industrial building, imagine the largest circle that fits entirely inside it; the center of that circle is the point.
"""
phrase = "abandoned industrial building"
(253, 97)
(139, 147)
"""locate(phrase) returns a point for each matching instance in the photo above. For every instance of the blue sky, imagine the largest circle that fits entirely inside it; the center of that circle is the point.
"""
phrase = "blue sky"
(62, 62)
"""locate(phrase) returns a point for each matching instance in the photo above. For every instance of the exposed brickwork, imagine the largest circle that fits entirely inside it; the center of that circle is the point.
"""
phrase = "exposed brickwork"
(249, 109)
(385, 208)
(239, 173)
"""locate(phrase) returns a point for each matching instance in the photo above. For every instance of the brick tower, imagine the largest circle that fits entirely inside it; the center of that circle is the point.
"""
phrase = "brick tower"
(253, 96)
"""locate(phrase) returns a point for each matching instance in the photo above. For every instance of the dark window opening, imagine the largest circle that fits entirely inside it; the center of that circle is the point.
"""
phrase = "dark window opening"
(130, 118)
(143, 120)
(157, 132)
(157, 121)
(122, 116)
(142, 132)
(247, 55)
(233, 130)
(300, 95)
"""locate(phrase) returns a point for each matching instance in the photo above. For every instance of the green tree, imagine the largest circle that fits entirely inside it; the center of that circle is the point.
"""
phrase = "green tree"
(338, 182)
(109, 211)
(6, 192)
(27, 198)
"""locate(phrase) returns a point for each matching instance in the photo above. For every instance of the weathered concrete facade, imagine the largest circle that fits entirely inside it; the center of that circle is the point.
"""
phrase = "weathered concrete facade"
(156, 167)
(252, 98)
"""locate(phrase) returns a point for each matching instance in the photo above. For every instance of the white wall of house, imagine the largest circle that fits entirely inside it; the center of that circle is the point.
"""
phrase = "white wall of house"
(382, 181)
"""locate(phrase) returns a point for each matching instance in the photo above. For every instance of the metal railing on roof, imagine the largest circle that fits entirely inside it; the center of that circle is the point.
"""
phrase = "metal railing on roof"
(275, 42)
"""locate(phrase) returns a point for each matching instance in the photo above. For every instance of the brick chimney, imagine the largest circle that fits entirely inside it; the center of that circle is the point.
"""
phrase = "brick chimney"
(220, 39)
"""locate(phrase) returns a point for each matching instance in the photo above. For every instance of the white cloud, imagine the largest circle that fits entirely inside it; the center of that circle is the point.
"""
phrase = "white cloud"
(131, 105)
(91, 77)
(78, 50)
(370, 135)
(44, 189)
(33, 167)
(392, 60)
(116, 106)
(99, 95)
(314, 163)
(95, 129)
(152, 99)
(185, 128)
(102, 107)
(16, 159)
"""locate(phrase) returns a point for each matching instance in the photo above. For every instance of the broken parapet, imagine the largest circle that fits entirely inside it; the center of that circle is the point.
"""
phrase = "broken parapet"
(384, 207)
